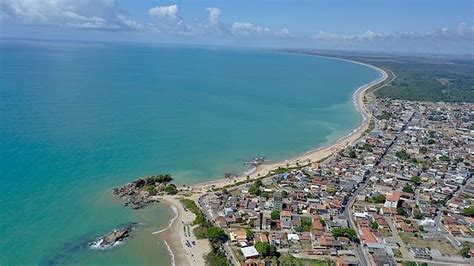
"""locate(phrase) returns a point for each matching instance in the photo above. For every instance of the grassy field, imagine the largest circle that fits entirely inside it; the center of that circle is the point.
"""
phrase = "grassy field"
(443, 246)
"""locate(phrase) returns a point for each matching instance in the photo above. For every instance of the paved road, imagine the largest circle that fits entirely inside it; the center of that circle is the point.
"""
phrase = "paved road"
(440, 227)
(360, 251)
(203, 205)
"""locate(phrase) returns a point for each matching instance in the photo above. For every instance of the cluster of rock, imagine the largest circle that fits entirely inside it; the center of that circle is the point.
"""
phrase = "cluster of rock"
(112, 238)
(141, 192)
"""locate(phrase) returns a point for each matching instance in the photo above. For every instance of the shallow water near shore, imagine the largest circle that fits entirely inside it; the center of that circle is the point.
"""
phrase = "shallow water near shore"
(80, 118)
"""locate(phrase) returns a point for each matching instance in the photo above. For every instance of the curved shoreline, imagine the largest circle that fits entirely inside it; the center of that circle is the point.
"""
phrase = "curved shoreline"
(174, 236)
(321, 152)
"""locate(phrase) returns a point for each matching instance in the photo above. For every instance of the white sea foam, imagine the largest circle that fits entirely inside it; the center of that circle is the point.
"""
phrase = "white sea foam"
(171, 221)
(173, 263)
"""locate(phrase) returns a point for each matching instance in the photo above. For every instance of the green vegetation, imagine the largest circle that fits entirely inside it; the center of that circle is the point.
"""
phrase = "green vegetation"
(416, 180)
(288, 260)
(401, 211)
(255, 188)
(216, 234)
(171, 189)
(465, 250)
(306, 224)
(158, 179)
(368, 147)
(352, 154)
(216, 258)
(345, 231)
(275, 215)
(191, 205)
(374, 225)
(413, 263)
(266, 250)
(379, 198)
(402, 155)
(408, 189)
(469, 211)
(249, 233)
(431, 79)
(444, 158)
(151, 189)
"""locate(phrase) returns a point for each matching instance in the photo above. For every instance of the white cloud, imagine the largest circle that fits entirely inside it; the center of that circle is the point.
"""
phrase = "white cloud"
(84, 14)
(214, 15)
(461, 32)
(246, 29)
(169, 21)
(283, 33)
(164, 11)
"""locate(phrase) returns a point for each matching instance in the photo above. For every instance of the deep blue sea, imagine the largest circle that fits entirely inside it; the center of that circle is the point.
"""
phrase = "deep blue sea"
(79, 118)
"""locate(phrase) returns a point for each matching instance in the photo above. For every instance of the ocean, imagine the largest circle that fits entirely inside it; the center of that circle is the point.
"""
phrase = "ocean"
(78, 118)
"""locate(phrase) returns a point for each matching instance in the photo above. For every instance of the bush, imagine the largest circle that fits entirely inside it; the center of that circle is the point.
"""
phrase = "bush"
(346, 232)
(200, 232)
(380, 198)
(216, 258)
(275, 215)
(266, 250)
(469, 211)
(408, 189)
(171, 189)
(416, 179)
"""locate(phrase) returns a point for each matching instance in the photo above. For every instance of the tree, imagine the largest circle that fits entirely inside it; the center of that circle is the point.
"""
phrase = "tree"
(379, 198)
(402, 155)
(171, 189)
(401, 211)
(408, 189)
(284, 194)
(469, 211)
(275, 215)
(151, 190)
(249, 233)
(306, 224)
(444, 158)
(464, 251)
(265, 249)
(216, 234)
(352, 154)
(255, 188)
(346, 232)
(416, 179)
(368, 147)
(374, 225)
(216, 258)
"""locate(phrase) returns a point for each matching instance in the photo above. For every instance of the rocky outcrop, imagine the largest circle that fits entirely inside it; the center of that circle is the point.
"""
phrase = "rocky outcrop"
(111, 239)
(141, 192)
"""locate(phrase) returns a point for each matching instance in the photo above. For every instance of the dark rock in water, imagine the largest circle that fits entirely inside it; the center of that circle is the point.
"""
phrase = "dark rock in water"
(112, 238)
(133, 194)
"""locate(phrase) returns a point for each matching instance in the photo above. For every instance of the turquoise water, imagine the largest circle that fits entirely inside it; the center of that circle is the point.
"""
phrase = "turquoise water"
(79, 118)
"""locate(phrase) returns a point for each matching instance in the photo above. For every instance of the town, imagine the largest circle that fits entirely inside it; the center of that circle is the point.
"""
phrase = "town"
(402, 194)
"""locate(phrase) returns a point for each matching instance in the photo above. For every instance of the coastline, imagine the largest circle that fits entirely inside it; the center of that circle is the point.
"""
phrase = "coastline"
(319, 153)
(174, 236)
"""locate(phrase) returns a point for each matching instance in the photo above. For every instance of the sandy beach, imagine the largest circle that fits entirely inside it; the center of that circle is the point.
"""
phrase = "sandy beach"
(317, 154)
(175, 238)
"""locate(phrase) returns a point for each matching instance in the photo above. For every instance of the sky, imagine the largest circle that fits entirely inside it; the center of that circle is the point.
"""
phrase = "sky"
(430, 26)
